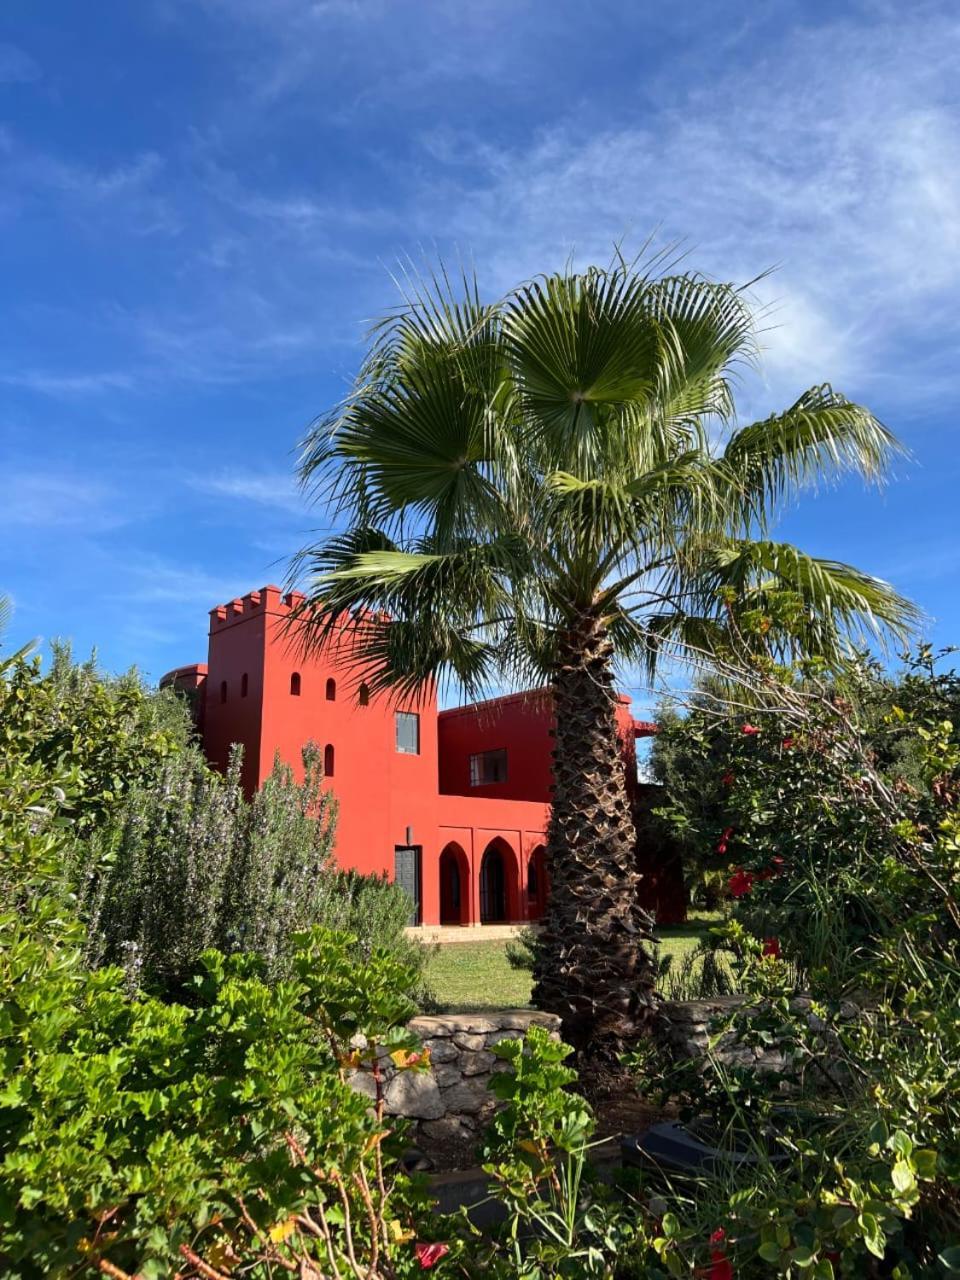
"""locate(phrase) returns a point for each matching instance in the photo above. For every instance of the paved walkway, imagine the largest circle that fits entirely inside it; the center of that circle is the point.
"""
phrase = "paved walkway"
(452, 933)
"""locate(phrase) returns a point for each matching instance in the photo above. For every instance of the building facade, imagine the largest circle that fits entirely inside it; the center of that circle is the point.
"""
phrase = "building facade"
(451, 804)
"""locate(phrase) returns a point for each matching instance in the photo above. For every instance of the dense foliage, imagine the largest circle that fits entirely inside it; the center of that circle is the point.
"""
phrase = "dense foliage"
(188, 863)
(815, 811)
(167, 858)
(114, 730)
(832, 804)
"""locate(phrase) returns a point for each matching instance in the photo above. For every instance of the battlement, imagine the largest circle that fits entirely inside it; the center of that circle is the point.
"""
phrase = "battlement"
(269, 599)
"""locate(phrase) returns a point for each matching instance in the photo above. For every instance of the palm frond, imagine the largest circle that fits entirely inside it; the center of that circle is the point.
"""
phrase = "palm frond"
(822, 436)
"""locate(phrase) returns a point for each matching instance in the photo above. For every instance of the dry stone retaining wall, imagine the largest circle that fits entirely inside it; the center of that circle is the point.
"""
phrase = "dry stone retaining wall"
(452, 1100)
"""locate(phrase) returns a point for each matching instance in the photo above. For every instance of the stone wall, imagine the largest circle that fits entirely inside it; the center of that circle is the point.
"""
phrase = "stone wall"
(452, 1100)
(686, 1030)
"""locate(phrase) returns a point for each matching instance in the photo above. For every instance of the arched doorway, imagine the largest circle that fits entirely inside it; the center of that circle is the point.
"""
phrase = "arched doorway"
(499, 897)
(536, 883)
(454, 885)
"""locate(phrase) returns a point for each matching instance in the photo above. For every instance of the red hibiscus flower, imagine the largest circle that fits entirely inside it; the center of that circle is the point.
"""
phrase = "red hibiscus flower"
(771, 947)
(741, 882)
(724, 839)
(428, 1255)
(728, 778)
(787, 743)
(749, 729)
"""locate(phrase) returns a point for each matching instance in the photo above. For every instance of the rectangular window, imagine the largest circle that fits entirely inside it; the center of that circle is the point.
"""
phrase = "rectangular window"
(408, 733)
(487, 767)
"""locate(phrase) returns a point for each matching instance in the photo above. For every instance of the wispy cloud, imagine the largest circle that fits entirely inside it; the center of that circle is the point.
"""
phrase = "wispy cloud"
(129, 195)
(16, 66)
(836, 159)
(46, 500)
(276, 489)
(69, 385)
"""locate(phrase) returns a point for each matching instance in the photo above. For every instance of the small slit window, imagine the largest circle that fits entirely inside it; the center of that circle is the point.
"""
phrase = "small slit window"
(223, 690)
(295, 685)
(329, 760)
(244, 685)
(363, 695)
(331, 690)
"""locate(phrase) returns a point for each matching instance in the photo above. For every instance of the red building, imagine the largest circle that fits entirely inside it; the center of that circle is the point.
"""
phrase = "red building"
(452, 804)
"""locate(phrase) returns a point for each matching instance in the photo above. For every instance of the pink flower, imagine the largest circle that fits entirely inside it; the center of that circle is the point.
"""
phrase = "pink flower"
(724, 839)
(771, 947)
(741, 882)
(430, 1254)
(749, 730)
(720, 1267)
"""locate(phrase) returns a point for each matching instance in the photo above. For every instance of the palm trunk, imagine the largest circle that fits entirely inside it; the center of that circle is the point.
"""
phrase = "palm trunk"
(591, 965)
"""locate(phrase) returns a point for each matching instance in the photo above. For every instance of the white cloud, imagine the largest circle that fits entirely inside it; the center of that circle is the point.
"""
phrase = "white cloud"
(835, 158)
(130, 195)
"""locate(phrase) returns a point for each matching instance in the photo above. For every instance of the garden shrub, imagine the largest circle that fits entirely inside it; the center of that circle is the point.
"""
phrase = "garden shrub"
(834, 807)
(190, 863)
(152, 1139)
(113, 730)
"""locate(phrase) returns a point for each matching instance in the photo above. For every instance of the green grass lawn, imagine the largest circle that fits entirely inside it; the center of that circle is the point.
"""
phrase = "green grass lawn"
(477, 975)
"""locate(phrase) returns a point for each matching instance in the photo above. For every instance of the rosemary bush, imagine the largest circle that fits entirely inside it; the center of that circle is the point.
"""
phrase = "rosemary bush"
(189, 863)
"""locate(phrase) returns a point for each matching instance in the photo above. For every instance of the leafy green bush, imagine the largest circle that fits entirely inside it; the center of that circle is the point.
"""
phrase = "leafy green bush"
(113, 730)
(837, 816)
(149, 1138)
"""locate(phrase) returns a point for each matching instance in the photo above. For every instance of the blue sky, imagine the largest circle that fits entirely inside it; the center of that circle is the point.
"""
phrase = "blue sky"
(202, 202)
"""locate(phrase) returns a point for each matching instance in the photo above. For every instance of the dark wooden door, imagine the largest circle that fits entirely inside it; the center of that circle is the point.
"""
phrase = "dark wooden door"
(493, 887)
(406, 872)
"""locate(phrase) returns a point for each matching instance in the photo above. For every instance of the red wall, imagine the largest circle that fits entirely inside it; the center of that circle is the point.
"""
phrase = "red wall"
(386, 798)
(522, 724)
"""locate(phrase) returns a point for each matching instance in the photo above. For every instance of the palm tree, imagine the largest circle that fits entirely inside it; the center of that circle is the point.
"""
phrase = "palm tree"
(542, 487)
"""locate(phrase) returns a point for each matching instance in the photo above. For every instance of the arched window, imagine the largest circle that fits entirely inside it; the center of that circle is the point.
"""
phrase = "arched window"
(331, 690)
(295, 685)
(223, 690)
(328, 760)
(363, 695)
(244, 685)
(533, 880)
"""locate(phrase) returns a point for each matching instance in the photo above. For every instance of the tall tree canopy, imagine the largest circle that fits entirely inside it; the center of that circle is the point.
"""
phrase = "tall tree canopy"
(545, 486)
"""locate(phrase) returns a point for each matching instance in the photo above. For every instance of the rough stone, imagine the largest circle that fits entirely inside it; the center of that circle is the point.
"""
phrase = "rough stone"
(446, 1074)
(521, 1019)
(466, 1041)
(414, 1094)
(364, 1083)
(442, 1050)
(475, 1064)
(426, 1026)
(467, 1097)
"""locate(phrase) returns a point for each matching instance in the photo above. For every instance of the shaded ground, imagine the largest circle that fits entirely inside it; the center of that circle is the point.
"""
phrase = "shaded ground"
(618, 1109)
(474, 976)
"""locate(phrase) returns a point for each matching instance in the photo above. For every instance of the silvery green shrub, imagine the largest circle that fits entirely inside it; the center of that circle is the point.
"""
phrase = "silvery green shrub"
(189, 863)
